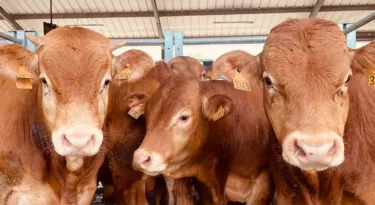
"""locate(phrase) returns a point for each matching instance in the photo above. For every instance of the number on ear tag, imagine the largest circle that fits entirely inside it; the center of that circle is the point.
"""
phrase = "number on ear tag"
(124, 74)
(135, 113)
(219, 113)
(240, 83)
(371, 79)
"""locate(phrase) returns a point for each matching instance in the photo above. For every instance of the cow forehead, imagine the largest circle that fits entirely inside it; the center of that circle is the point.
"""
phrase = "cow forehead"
(308, 49)
(172, 96)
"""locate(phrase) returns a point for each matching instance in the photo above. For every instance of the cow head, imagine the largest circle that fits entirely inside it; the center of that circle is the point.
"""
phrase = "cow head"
(177, 125)
(237, 61)
(187, 66)
(306, 72)
(71, 70)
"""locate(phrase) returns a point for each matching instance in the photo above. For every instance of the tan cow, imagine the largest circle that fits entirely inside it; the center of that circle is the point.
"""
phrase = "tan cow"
(208, 130)
(187, 66)
(307, 81)
(54, 102)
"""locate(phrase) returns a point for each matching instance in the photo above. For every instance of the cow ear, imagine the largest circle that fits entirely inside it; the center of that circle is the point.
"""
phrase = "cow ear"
(36, 40)
(131, 65)
(362, 59)
(136, 103)
(217, 106)
(18, 64)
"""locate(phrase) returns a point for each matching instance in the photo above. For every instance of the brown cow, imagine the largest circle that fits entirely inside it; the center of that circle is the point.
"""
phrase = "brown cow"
(186, 138)
(52, 133)
(187, 66)
(307, 79)
(126, 133)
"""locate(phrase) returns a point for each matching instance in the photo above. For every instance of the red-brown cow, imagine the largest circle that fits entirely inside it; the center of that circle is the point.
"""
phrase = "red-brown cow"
(186, 137)
(307, 81)
(52, 132)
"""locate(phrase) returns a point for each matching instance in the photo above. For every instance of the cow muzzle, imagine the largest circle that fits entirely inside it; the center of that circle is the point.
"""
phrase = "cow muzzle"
(77, 141)
(313, 151)
(151, 163)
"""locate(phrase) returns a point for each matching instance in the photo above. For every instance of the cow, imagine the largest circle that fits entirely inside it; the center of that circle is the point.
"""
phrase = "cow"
(124, 132)
(54, 102)
(187, 66)
(308, 74)
(211, 131)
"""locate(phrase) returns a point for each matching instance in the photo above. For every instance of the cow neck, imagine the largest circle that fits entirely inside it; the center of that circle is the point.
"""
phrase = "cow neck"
(248, 109)
(359, 135)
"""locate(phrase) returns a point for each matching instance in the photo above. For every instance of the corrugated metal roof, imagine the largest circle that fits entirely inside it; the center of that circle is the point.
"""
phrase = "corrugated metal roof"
(193, 26)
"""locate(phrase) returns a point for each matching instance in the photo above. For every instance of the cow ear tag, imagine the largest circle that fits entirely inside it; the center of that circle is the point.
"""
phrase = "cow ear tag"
(214, 76)
(24, 78)
(219, 113)
(371, 79)
(136, 113)
(124, 74)
(240, 83)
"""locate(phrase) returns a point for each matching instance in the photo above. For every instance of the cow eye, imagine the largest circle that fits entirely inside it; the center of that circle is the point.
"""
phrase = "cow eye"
(106, 83)
(268, 81)
(239, 70)
(204, 75)
(348, 79)
(184, 118)
(44, 81)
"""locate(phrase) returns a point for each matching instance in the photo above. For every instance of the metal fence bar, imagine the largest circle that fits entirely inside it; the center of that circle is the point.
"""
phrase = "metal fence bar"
(10, 38)
(178, 43)
(225, 40)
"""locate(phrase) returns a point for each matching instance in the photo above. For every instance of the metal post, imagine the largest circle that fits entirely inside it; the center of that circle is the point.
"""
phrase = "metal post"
(22, 40)
(168, 45)
(360, 23)
(315, 11)
(178, 43)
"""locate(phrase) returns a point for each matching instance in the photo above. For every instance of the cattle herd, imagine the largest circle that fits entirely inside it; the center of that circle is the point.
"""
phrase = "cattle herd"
(293, 125)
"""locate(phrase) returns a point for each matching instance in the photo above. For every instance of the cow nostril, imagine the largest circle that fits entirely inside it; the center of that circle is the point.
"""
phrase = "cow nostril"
(147, 160)
(66, 141)
(299, 151)
(332, 151)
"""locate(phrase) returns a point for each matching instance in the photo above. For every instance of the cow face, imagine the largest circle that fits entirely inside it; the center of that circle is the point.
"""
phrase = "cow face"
(177, 117)
(306, 71)
(72, 69)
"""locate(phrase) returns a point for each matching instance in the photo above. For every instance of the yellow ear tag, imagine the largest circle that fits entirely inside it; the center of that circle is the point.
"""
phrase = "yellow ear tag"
(214, 76)
(136, 113)
(240, 83)
(219, 113)
(24, 78)
(124, 74)
(371, 79)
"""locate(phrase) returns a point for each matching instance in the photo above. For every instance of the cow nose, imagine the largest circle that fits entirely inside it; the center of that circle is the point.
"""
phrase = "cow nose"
(141, 159)
(319, 154)
(77, 141)
(317, 151)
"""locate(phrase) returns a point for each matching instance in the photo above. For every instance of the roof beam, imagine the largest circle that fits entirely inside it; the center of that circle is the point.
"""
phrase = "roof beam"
(360, 23)
(192, 13)
(4, 14)
(157, 19)
(315, 11)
